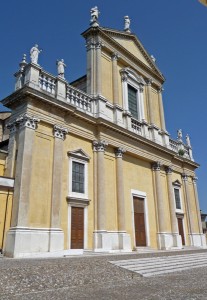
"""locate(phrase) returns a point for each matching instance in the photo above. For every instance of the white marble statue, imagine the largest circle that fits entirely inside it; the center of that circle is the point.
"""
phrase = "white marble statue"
(188, 140)
(61, 68)
(34, 53)
(94, 16)
(127, 24)
(180, 135)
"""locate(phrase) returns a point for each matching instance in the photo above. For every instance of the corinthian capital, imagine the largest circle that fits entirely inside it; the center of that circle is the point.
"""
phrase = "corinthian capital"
(99, 146)
(60, 132)
(169, 170)
(184, 177)
(27, 121)
(156, 166)
(115, 56)
(119, 152)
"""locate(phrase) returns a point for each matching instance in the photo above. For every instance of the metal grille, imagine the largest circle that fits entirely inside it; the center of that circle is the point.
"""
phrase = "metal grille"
(132, 101)
(78, 177)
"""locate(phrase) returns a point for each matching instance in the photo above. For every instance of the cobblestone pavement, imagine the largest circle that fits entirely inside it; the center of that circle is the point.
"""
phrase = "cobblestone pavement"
(93, 277)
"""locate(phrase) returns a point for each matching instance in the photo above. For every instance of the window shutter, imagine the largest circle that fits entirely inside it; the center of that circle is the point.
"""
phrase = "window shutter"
(132, 101)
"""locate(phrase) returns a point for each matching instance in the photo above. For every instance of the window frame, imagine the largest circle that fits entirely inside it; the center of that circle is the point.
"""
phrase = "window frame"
(83, 159)
(177, 186)
(130, 78)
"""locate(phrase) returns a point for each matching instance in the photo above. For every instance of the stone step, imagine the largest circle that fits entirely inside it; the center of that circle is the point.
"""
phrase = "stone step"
(165, 264)
(161, 259)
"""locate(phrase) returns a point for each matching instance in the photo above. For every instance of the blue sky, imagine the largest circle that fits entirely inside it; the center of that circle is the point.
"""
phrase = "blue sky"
(173, 31)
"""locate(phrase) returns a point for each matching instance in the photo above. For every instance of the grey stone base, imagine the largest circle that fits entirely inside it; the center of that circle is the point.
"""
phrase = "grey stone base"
(168, 241)
(112, 241)
(198, 240)
(23, 241)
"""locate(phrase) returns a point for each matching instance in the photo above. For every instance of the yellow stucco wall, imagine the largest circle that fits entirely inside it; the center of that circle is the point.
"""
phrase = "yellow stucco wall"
(155, 107)
(138, 176)
(106, 76)
(6, 198)
(41, 181)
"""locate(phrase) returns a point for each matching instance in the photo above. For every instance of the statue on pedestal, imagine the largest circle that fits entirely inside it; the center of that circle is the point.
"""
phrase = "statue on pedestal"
(188, 141)
(180, 135)
(34, 53)
(127, 24)
(61, 68)
(94, 16)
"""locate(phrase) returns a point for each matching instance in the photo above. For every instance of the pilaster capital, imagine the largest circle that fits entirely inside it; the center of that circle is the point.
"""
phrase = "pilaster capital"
(12, 127)
(149, 81)
(169, 170)
(99, 146)
(184, 177)
(195, 179)
(160, 89)
(119, 152)
(156, 166)
(59, 132)
(115, 56)
(141, 89)
(90, 44)
(124, 75)
(27, 121)
(99, 45)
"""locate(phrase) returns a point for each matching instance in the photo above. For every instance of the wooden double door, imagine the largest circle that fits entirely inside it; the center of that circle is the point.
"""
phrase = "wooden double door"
(77, 227)
(139, 222)
(181, 230)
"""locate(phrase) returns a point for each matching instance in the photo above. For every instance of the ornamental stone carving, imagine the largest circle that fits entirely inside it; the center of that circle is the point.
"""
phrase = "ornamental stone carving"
(149, 81)
(60, 132)
(90, 45)
(115, 56)
(184, 177)
(23, 121)
(99, 146)
(156, 166)
(168, 170)
(119, 152)
(195, 179)
(27, 121)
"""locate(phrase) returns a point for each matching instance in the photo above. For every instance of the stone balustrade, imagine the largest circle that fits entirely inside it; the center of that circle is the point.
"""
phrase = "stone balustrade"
(34, 76)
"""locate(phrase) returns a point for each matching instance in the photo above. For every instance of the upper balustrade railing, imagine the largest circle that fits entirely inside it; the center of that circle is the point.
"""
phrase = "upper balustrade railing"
(98, 106)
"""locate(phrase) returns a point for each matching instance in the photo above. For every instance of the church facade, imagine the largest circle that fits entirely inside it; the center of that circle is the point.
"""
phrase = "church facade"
(92, 164)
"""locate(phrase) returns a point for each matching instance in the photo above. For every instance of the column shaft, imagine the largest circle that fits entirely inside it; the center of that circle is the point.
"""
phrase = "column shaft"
(150, 106)
(188, 204)
(115, 79)
(98, 69)
(160, 201)
(23, 173)
(120, 190)
(174, 223)
(161, 109)
(197, 205)
(101, 205)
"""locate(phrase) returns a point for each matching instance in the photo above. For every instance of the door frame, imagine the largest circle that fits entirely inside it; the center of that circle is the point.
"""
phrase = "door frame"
(143, 195)
(85, 223)
(181, 216)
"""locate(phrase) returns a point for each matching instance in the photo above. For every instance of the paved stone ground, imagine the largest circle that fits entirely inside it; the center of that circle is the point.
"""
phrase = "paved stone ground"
(93, 277)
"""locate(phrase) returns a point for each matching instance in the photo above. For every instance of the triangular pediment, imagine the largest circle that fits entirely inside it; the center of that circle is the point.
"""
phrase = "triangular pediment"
(132, 44)
(177, 183)
(79, 153)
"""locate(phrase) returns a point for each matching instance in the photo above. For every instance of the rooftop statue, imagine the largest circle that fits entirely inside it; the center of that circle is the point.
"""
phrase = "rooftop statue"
(61, 68)
(180, 135)
(127, 22)
(188, 140)
(34, 53)
(94, 16)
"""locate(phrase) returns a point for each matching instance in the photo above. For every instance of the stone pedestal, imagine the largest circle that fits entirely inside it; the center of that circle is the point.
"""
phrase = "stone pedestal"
(198, 240)
(25, 241)
(168, 241)
(112, 241)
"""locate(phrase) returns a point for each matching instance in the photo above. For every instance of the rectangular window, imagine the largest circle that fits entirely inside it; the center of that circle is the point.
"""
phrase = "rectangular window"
(132, 101)
(177, 198)
(78, 179)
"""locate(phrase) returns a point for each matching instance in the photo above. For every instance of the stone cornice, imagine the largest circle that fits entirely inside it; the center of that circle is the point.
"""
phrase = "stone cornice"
(118, 47)
(26, 93)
